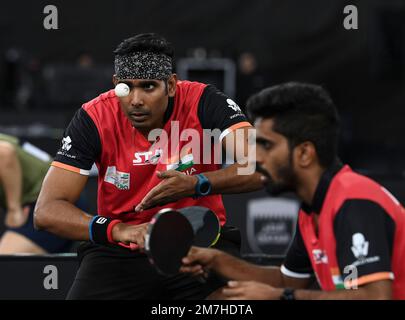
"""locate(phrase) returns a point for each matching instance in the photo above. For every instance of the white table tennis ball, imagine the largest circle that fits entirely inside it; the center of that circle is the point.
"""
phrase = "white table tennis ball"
(121, 90)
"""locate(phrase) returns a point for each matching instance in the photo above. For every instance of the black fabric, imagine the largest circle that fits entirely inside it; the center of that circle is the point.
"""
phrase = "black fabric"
(111, 272)
(369, 220)
(216, 111)
(169, 110)
(297, 259)
(86, 144)
(99, 227)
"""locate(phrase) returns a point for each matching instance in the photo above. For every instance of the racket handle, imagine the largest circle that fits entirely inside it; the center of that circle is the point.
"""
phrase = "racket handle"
(132, 246)
(201, 279)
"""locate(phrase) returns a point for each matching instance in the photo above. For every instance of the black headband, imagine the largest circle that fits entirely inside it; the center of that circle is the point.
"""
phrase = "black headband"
(143, 65)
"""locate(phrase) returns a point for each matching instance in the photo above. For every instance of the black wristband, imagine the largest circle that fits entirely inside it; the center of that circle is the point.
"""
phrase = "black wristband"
(99, 229)
(288, 294)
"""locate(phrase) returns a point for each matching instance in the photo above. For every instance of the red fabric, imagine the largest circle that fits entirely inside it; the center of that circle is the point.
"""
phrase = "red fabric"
(109, 230)
(349, 185)
(120, 141)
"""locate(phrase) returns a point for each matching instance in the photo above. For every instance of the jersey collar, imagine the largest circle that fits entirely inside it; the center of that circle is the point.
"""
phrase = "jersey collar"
(322, 188)
(169, 110)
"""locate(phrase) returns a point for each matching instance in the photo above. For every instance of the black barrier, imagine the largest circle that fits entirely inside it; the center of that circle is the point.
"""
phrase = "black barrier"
(49, 277)
(37, 276)
(264, 259)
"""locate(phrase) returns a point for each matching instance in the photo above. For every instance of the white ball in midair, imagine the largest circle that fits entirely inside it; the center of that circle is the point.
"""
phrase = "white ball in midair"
(121, 90)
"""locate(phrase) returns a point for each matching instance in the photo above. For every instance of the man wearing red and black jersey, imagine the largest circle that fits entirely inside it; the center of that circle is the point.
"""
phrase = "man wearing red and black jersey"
(137, 176)
(350, 232)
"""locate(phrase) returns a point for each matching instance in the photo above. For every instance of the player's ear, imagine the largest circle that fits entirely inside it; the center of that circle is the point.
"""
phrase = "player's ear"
(171, 85)
(305, 153)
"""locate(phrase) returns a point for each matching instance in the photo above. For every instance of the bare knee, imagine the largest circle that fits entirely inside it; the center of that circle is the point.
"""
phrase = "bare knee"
(13, 242)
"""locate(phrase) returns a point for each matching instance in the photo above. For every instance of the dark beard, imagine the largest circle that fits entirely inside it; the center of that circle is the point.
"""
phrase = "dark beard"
(287, 176)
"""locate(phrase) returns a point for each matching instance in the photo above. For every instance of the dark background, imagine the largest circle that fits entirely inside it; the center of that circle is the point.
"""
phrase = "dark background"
(363, 69)
(45, 75)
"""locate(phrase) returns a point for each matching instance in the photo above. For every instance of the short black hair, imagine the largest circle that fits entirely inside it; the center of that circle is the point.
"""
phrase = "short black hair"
(145, 42)
(301, 112)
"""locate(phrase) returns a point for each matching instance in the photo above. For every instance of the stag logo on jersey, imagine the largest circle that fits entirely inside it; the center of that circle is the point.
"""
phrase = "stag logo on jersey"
(147, 157)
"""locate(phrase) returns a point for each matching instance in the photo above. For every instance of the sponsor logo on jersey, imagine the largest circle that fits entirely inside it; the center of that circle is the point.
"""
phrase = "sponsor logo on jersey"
(319, 256)
(337, 278)
(360, 246)
(238, 112)
(66, 143)
(360, 249)
(146, 157)
(117, 178)
(183, 164)
(232, 104)
(66, 146)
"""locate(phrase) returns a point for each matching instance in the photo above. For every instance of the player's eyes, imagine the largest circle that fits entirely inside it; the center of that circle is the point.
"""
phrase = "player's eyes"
(149, 86)
(266, 145)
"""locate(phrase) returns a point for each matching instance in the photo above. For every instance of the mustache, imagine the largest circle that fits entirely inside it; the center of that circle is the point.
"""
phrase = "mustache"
(272, 188)
(263, 171)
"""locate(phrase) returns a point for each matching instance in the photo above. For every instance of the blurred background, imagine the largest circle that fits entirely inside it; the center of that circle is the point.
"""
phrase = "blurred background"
(241, 47)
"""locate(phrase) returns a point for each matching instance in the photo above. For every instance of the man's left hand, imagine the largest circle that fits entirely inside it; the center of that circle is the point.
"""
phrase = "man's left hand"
(175, 185)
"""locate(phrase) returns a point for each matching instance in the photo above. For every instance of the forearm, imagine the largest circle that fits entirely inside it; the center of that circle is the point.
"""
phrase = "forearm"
(237, 269)
(229, 180)
(11, 176)
(63, 219)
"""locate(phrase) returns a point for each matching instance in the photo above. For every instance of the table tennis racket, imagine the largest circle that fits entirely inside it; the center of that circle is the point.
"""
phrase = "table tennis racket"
(168, 240)
(205, 223)
(171, 233)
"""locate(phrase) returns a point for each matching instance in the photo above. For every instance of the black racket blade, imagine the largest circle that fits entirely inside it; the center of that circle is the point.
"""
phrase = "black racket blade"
(205, 224)
(168, 240)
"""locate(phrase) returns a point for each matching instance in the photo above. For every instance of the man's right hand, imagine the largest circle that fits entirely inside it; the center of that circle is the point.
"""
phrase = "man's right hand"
(199, 261)
(127, 233)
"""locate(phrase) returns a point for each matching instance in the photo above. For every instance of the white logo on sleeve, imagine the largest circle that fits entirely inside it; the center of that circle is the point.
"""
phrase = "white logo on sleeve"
(66, 143)
(101, 220)
(360, 246)
(232, 104)
(360, 249)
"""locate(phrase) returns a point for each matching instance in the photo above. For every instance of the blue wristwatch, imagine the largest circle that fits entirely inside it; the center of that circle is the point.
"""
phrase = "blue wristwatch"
(203, 186)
